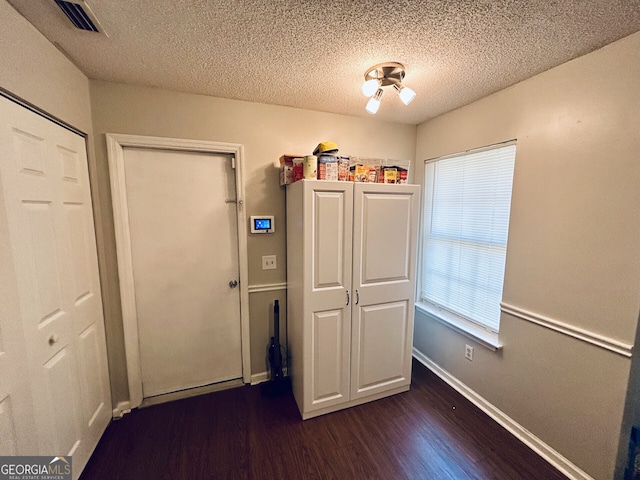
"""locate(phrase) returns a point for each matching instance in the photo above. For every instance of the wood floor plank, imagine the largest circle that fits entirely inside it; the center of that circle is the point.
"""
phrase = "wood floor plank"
(243, 434)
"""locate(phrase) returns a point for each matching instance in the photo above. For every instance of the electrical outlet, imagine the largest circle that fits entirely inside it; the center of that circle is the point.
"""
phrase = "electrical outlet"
(269, 262)
(468, 352)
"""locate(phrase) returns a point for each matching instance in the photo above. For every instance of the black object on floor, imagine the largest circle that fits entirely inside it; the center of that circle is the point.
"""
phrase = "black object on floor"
(278, 384)
(277, 387)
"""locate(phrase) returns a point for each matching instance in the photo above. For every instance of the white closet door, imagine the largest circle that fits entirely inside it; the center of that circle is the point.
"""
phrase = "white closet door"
(328, 211)
(17, 426)
(50, 223)
(385, 227)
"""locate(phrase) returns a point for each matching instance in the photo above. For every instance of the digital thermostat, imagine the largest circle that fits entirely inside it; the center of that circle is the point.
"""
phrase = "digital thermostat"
(263, 224)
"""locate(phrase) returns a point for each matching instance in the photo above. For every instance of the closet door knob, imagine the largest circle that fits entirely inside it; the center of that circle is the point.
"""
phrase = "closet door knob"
(233, 283)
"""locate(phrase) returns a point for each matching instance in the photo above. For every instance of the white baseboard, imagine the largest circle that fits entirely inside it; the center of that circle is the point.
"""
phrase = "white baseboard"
(264, 377)
(121, 410)
(513, 427)
(259, 378)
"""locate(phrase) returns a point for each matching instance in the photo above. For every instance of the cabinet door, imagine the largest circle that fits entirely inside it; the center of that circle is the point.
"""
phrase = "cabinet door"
(328, 234)
(384, 258)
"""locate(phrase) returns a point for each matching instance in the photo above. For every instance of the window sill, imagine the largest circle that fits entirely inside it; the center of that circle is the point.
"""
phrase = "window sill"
(486, 339)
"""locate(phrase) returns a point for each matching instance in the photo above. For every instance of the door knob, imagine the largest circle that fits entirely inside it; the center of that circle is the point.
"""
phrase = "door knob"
(233, 283)
(53, 339)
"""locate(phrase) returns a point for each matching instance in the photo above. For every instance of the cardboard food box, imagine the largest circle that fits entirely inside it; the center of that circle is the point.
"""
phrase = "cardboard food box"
(363, 173)
(400, 167)
(328, 171)
(343, 168)
(291, 168)
(390, 175)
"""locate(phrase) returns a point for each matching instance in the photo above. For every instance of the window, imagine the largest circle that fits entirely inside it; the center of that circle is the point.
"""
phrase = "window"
(464, 245)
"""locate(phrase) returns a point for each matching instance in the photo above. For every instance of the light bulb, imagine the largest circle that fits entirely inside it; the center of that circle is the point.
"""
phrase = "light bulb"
(374, 102)
(369, 87)
(405, 93)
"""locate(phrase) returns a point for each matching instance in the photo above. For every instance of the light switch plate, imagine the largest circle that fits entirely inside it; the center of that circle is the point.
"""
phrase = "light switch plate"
(269, 262)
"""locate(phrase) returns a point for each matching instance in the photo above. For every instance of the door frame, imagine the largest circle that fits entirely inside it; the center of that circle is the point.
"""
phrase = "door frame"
(116, 143)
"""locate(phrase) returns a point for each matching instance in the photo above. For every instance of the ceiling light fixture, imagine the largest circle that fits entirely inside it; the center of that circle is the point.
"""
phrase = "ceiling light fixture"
(405, 94)
(374, 102)
(383, 75)
(369, 87)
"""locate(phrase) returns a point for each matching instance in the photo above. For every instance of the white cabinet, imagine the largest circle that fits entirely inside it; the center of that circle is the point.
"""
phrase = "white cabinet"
(351, 254)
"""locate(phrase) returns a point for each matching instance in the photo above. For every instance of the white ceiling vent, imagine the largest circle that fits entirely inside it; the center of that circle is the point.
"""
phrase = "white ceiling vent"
(80, 14)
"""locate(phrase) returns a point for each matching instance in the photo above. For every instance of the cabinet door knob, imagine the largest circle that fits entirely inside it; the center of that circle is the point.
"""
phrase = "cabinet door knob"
(357, 297)
(53, 339)
(347, 297)
(233, 283)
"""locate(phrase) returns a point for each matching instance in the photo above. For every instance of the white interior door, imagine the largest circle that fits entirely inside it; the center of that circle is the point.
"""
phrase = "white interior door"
(54, 277)
(385, 222)
(184, 251)
(17, 425)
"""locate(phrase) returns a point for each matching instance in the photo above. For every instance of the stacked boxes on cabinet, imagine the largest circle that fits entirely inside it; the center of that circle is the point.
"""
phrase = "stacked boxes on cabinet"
(345, 168)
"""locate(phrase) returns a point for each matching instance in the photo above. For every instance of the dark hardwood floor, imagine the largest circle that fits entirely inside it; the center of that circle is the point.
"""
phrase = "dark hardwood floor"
(430, 432)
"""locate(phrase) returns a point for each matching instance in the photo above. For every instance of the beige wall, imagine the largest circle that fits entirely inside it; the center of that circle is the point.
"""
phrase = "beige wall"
(266, 133)
(35, 71)
(572, 254)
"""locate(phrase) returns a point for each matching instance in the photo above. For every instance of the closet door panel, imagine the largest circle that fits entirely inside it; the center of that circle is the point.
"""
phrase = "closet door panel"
(8, 440)
(59, 419)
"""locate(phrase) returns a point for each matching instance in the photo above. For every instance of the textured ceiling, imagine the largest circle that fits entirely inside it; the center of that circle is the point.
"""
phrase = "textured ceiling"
(313, 54)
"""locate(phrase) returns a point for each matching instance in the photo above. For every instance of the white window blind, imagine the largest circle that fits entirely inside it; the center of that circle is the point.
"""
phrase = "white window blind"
(466, 213)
